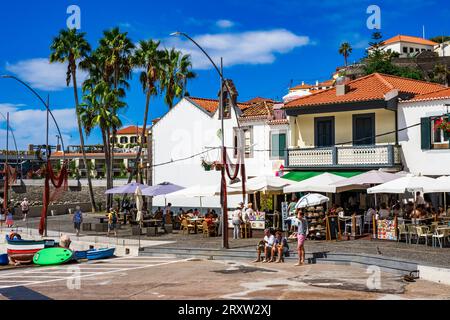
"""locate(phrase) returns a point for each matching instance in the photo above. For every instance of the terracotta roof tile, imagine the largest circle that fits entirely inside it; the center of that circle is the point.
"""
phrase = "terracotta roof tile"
(262, 109)
(371, 87)
(279, 122)
(130, 130)
(211, 105)
(410, 39)
(301, 86)
(257, 100)
(437, 95)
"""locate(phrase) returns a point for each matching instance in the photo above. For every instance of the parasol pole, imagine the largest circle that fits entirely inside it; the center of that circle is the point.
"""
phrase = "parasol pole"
(6, 169)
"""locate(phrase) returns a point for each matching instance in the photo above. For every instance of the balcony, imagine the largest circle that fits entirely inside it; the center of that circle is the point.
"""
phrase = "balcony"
(372, 157)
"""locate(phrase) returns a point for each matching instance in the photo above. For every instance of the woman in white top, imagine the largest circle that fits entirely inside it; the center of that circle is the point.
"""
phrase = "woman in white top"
(237, 220)
(383, 213)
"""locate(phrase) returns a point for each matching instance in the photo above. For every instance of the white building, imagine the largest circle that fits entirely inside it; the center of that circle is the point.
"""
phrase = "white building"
(443, 49)
(425, 147)
(407, 46)
(306, 90)
(193, 126)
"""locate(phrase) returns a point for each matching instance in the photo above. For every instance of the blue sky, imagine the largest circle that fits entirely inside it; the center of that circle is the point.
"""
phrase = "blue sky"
(265, 44)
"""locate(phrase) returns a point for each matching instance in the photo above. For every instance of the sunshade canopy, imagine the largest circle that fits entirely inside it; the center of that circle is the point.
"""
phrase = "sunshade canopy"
(262, 183)
(126, 189)
(303, 175)
(161, 189)
(364, 180)
(411, 183)
(321, 183)
(310, 200)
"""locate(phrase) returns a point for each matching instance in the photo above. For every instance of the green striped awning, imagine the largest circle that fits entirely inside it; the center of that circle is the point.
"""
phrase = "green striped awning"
(303, 175)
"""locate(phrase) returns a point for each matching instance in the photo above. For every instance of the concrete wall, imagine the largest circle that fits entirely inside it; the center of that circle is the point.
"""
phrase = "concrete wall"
(304, 127)
(416, 160)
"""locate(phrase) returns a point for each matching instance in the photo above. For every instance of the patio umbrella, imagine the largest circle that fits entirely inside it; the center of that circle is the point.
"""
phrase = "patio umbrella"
(126, 189)
(410, 183)
(363, 181)
(310, 200)
(139, 205)
(197, 191)
(161, 189)
(320, 183)
(263, 183)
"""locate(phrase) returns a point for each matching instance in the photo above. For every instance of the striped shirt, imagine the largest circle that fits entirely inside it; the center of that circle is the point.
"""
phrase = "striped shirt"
(302, 227)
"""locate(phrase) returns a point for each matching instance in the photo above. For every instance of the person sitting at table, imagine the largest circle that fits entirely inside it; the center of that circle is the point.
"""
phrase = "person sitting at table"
(158, 214)
(214, 214)
(196, 213)
(383, 213)
(441, 212)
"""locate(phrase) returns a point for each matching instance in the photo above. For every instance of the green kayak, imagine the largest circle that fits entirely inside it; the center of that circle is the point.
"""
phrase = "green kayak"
(52, 256)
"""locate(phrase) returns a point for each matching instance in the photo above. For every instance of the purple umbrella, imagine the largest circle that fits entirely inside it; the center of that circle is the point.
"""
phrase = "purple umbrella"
(126, 189)
(161, 189)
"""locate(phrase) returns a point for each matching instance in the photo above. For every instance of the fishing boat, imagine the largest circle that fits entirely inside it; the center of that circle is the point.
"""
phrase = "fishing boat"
(22, 251)
(104, 253)
(80, 255)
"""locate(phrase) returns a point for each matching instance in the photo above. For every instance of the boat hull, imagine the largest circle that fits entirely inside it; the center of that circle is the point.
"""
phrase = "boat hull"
(100, 254)
(22, 251)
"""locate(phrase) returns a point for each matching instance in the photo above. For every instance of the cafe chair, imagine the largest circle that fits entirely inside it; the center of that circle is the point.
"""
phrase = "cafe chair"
(402, 232)
(423, 232)
(439, 236)
(412, 232)
(368, 220)
(186, 226)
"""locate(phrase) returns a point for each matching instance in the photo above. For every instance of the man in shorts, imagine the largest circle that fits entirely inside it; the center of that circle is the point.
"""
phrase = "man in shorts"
(265, 246)
(112, 221)
(302, 233)
(25, 206)
(77, 220)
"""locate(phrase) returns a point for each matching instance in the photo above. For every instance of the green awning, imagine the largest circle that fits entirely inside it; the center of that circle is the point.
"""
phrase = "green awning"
(303, 175)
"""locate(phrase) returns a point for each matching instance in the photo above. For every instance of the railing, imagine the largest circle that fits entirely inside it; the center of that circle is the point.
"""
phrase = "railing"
(345, 157)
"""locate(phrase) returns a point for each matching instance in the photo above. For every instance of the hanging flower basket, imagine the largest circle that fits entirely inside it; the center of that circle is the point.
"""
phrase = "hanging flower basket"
(206, 165)
(217, 165)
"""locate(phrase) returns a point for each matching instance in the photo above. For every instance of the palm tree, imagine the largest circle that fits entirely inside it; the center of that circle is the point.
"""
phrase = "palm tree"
(345, 49)
(177, 71)
(148, 57)
(115, 50)
(70, 47)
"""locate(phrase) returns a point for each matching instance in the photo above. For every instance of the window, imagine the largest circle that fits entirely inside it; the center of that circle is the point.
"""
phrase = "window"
(123, 140)
(405, 49)
(133, 139)
(364, 129)
(433, 137)
(247, 139)
(278, 145)
(411, 50)
(417, 49)
(324, 132)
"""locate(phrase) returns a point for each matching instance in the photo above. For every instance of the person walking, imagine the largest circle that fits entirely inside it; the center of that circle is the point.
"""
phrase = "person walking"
(9, 217)
(237, 220)
(25, 207)
(112, 221)
(77, 220)
(302, 233)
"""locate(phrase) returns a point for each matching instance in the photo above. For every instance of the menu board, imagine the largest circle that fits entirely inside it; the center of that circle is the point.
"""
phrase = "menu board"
(257, 220)
(387, 230)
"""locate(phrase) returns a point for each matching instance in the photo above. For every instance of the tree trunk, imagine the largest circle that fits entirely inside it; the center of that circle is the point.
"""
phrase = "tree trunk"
(141, 145)
(107, 164)
(80, 132)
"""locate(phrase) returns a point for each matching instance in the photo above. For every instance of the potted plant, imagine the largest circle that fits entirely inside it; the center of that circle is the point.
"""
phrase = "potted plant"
(206, 165)
(217, 165)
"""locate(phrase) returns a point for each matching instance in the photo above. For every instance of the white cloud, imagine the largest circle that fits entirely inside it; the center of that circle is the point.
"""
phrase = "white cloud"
(251, 47)
(43, 75)
(225, 24)
(29, 125)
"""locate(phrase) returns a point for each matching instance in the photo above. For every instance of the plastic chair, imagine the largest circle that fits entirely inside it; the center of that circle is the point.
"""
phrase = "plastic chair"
(412, 232)
(368, 220)
(440, 235)
(187, 227)
(423, 232)
(402, 231)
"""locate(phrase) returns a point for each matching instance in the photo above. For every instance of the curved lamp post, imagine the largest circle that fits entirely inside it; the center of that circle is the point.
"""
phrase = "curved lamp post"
(225, 244)
(46, 104)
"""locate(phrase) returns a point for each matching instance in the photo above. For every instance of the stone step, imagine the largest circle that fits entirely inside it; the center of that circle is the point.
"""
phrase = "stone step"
(387, 264)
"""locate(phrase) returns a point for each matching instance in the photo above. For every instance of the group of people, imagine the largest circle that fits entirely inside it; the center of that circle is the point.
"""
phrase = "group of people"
(274, 244)
(242, 215)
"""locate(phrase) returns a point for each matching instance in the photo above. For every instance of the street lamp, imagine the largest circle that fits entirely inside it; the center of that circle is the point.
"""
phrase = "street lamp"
(225, 244)
(49, 112)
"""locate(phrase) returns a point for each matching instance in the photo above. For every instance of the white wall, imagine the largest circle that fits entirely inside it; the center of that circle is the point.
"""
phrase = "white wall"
(416, 160)
(187, 130)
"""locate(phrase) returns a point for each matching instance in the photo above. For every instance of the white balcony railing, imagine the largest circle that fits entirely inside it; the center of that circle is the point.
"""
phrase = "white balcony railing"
(341, 157)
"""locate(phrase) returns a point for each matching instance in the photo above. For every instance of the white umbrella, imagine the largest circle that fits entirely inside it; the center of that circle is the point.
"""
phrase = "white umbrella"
(262, 183)
(409, 183)
(310, 200)
(197, 191)
(139, 204)
(320, 183)
(364, 180)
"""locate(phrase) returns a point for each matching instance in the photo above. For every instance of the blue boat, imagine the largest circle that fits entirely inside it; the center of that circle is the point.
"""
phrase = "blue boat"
(4, 260)
(80, 255)
(104, 253)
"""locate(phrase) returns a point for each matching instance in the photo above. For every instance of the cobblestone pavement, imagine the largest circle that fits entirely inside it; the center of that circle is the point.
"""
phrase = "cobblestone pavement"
(163, 278)
(414, 253)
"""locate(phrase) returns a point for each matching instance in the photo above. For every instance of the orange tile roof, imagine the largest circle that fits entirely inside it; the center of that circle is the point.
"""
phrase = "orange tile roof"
(211, 105)
(258, 99)
(301, 86)
(130, 130)
(262, 109)
(410, 39)
(328, 83)
(59, 154)
(436, 95)
(371, 87)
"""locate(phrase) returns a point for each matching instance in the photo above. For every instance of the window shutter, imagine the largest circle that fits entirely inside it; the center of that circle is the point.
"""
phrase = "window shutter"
(447, 133)
(282, 147)
(425, 133)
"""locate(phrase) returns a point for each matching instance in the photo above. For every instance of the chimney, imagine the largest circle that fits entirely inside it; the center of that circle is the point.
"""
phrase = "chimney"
(342, 87)
(58, 147)
(303, 83)
(317, 83)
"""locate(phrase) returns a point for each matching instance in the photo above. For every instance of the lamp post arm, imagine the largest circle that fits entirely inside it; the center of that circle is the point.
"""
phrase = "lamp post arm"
(43, 102)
